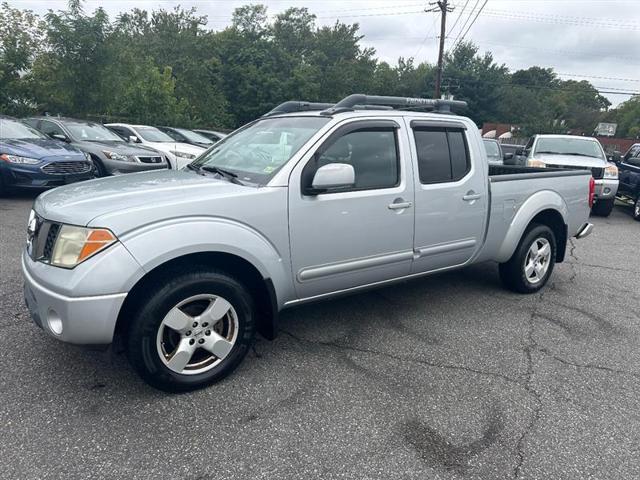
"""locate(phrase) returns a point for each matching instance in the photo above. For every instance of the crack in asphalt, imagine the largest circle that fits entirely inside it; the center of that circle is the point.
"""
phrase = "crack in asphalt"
(564, 361)
(444, 366)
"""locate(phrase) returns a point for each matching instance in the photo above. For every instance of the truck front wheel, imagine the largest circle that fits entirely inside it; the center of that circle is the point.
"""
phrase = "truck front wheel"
(603, 208)
(192, 329)
(529, 268)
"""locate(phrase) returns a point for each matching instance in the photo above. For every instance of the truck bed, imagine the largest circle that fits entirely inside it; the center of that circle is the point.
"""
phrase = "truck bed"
(501, 173)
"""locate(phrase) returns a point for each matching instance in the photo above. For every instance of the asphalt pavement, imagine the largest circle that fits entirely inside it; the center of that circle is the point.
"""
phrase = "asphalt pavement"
(447, 377)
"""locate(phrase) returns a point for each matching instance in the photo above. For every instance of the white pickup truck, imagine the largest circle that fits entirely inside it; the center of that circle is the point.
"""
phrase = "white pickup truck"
(308, 202)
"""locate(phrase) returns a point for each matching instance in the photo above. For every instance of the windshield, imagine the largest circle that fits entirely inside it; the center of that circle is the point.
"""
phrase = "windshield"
(492, 149)
(569, 146)
(16, 130)
(152, 134)
(91, 132)
(193, 136)
(256, 152)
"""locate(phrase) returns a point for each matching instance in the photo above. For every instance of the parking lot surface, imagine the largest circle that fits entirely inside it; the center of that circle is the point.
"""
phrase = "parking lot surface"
(445, 377)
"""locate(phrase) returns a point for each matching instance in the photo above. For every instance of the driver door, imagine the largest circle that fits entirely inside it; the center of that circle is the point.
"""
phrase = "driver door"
(359, 235)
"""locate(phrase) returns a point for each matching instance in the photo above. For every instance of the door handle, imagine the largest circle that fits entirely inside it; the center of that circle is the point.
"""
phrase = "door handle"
(399, 205)
(471, 196)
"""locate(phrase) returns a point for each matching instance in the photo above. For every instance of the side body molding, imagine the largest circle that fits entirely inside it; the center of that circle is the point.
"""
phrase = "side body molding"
(536, 203)
(149, 245)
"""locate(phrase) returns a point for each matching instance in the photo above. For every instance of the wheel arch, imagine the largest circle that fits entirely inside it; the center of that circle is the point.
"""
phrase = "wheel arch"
(547, 208)
(261, 288)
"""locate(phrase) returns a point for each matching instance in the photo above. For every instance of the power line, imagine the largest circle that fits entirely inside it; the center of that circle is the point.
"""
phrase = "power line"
(458, 18)
(464, 25)
(471, 24)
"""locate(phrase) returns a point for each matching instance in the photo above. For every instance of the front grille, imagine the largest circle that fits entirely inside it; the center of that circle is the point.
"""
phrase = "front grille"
(50, 241)
(67, 168)
(150, 159)
(43, 239)
(597, 173)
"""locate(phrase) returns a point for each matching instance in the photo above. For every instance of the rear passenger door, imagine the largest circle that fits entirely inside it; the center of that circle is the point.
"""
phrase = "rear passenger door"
(450, 192)
(629, 171)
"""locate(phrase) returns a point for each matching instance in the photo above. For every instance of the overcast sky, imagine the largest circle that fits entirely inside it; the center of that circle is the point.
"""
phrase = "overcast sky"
(595, 40)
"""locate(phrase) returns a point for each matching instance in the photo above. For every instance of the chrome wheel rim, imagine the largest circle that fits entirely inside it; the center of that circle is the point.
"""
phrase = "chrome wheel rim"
(537, 260)
(197, 334)
(636, 208)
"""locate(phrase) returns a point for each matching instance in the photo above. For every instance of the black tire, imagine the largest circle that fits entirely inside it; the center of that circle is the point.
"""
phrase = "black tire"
(636, 209)
(99, 169)
(512, 272)
(603, 208)
(164, 295)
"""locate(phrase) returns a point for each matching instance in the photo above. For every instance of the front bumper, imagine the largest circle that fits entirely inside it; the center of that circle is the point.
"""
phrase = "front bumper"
(29, 177)
(79, 305)
(606, 188)
(115, 167)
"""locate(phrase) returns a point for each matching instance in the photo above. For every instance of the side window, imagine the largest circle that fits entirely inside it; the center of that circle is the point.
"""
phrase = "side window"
(633, 152)
(373, 153)
(32, 122)
(122, 131)
(50, 128)
(442, 154)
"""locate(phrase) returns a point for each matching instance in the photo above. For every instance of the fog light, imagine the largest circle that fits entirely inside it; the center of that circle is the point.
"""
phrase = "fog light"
(54, 321)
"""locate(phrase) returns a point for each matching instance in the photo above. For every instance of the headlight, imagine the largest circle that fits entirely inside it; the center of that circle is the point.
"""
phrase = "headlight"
(532, 162)
(17, 159)
(75, 244)
(186, 155)
(118, 156)
(611, 171)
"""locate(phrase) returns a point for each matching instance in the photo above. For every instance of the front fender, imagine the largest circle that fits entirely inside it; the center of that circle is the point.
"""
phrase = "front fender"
(536, 203)
(157, 243)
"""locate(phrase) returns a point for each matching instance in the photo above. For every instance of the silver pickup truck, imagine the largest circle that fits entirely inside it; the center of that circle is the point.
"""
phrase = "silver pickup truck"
(308, 202)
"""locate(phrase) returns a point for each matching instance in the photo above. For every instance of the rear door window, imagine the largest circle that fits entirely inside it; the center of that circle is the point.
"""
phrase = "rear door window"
(442, 154)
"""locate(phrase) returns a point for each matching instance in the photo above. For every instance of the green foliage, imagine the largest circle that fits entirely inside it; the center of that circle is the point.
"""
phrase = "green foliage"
(167, 67)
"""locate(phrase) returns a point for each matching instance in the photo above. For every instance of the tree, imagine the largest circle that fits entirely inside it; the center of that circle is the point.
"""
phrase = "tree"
(20, 45)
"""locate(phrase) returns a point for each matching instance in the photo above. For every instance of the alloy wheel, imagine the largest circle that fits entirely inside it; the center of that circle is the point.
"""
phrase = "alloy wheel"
(197, 334)
(537, 260)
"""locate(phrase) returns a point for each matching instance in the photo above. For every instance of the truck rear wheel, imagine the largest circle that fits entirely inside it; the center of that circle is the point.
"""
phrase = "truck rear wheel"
(193, 330)
(531, 265)
(603, 208)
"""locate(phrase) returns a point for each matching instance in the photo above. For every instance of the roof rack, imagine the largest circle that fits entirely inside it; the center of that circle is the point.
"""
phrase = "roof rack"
(351, 102)
(369, 102)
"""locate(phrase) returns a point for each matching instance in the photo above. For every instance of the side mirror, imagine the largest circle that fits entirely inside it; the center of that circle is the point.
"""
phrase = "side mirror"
(520, 151)
(59, 136)
(332, 176)
(134, 139)
(616, 157)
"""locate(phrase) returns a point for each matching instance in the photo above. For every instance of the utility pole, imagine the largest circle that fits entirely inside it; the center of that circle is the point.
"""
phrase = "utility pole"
(443, 7)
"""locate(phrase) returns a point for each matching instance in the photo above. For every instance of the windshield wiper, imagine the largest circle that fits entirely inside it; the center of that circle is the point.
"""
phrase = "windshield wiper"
(232, 177)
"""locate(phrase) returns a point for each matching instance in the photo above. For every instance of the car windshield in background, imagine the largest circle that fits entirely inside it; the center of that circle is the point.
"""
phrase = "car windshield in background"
(91, 132)
(569, 146)
(256, 152)
(193, 136)
(492, 149)
(16, 130)
(152, 134)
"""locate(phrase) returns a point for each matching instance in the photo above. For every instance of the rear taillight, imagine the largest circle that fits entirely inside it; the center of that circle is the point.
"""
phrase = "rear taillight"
(592, 191)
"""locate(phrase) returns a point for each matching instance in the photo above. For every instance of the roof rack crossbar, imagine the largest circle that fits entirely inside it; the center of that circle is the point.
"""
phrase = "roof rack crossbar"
(297, 106)
(359, 100)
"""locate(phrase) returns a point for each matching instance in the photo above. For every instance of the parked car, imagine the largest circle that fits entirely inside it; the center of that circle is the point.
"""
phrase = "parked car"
(570, 151)
(178, 154)
(110, 154)
(30, 159)
(629, 173)
(510, 154)
(494, 152)
(186, 265)
(211, 134)
(187, 136)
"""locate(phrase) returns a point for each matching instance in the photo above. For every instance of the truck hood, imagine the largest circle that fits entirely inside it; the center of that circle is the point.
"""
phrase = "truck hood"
(571, 160)
(79, 203)
(40, 148)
